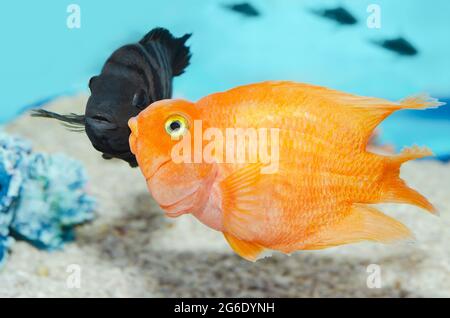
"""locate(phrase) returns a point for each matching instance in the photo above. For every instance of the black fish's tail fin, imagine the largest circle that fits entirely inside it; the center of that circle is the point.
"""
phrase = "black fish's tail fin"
(73, 122)
(180, 54)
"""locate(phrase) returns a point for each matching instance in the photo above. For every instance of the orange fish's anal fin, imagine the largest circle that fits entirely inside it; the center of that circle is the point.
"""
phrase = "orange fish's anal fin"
(247, 250)
(395, 190)
(364, 223)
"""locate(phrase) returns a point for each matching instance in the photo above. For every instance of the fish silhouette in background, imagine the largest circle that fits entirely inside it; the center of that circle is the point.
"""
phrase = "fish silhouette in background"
(340, 15)
(133, 77)
(245, 9)
(399, 45)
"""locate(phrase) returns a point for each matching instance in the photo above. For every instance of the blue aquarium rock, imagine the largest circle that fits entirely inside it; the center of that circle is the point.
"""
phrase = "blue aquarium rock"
(12, 152)
(5, 243)
(52, 200)
(42, 196)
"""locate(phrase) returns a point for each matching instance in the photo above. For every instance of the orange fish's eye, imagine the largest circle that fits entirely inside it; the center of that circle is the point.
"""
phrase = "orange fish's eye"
(176, 126)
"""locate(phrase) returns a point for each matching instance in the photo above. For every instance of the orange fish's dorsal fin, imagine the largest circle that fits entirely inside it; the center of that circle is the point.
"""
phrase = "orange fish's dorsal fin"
(376, 110)
(369, 112)
(395, 190)
(364, 223)
(421, 101)
(249, 251)
(361, 113)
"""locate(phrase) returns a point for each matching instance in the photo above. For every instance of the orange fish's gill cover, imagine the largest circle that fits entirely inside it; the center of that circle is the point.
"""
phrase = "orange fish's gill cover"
(277, 165)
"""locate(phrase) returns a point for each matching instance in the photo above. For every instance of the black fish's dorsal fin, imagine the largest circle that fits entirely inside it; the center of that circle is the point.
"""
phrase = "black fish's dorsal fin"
(180, 54)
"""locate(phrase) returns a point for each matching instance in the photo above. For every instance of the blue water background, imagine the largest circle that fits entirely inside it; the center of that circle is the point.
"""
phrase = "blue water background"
(41, 58)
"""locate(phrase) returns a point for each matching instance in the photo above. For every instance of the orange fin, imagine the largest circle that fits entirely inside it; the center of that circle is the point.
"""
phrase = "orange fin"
(368, 112)
(395, 189)
(422, 101)
(249, 251)
(376, 110)
(364, 223)
(360, 114)
(242, 179)
(239, 205)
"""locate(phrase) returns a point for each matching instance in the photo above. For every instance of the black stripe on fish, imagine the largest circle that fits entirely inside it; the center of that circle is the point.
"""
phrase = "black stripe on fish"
(153, 77)
(164, 61)
(160, 64)
(132, 67)
(158, 73)
(154, 72)
(163, 66)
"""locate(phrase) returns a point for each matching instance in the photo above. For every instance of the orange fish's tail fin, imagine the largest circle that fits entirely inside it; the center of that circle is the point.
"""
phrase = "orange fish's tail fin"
(395, 190)
(421, 101)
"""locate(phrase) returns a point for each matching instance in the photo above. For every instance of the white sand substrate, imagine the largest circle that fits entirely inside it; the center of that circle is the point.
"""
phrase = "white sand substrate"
(133, 250)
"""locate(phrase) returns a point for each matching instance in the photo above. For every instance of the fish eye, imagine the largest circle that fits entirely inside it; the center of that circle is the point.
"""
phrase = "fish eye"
(176, 126)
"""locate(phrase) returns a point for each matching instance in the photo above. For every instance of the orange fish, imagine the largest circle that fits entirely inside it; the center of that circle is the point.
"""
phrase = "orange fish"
(320, 193)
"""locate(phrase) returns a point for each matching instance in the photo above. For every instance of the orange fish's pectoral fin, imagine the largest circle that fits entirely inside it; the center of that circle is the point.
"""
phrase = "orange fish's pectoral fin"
(240, 209)
(239, 198)
(247, 250)
(395, 190)
(242, 179)
(364, 223)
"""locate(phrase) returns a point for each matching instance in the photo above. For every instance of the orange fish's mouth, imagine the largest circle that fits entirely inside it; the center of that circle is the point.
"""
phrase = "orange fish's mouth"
(133, 124)
(132, 141)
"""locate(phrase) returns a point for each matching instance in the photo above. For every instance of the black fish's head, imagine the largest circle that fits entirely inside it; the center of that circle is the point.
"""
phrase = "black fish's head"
(113, 101)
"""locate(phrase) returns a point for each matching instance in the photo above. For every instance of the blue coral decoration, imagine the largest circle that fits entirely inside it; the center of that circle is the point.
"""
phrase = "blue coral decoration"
(42, 196)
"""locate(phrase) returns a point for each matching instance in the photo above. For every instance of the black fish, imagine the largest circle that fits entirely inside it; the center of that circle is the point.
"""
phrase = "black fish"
(400, 46)
(133, 77)
(339, 15)
(244, 8)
